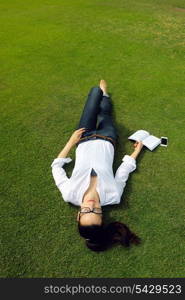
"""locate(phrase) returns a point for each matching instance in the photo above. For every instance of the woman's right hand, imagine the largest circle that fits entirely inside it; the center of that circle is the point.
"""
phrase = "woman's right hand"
(138, 146)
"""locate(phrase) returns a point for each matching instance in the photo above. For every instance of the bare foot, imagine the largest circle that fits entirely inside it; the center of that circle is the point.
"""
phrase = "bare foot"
(103, 86)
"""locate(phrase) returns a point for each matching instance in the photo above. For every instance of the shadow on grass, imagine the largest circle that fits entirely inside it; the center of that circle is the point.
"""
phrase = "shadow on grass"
(120, 151)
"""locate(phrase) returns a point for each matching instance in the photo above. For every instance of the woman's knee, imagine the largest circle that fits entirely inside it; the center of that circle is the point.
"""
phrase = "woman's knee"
(95, 90)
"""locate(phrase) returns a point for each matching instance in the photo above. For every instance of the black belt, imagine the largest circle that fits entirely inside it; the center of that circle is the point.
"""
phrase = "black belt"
(97, 136)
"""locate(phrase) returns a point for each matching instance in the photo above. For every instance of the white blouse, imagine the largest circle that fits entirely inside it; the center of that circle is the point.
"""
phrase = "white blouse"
(97, 154)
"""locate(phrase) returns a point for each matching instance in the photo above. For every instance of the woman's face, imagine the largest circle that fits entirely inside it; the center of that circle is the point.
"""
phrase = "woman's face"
(90, 218)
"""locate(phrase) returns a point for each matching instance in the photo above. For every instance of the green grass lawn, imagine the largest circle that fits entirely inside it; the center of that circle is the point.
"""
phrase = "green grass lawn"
(51, 54)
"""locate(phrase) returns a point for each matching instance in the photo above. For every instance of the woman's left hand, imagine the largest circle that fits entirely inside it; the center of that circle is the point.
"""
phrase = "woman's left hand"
(74, 139)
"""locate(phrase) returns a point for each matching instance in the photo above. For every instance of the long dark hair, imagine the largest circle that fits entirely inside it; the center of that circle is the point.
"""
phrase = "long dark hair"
(101, 237)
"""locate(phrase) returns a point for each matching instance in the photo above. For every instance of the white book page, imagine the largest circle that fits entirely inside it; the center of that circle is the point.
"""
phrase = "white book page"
(139, 135)
(151, 142)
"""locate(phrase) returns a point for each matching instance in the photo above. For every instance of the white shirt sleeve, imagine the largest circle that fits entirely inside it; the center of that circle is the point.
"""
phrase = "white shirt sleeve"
(128, 165)
(59, 173)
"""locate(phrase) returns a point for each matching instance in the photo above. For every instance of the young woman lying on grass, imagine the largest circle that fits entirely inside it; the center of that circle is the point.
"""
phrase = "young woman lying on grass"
(92, 183)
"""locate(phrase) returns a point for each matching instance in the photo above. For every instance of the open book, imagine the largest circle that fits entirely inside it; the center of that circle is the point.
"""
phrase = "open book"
(148, 140)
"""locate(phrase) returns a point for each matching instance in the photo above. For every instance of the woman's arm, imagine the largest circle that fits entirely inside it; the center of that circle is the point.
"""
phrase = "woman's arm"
(58, 171)
(138, 147)
(128, 165)
(71, 142)
(65, 150)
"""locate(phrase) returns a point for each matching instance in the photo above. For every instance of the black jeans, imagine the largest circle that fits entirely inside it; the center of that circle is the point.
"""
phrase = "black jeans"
(97, 115)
